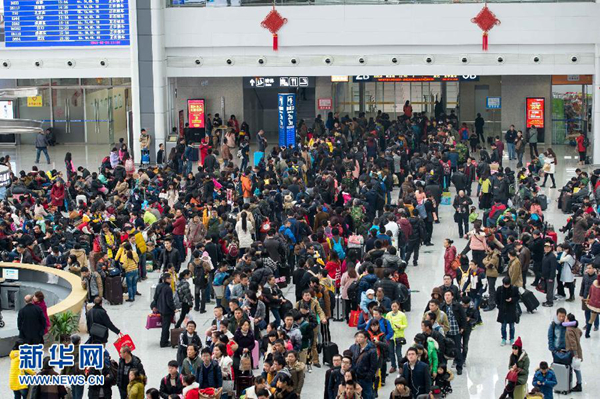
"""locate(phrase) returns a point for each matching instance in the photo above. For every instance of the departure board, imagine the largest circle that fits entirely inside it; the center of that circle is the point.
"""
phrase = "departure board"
(50, 23)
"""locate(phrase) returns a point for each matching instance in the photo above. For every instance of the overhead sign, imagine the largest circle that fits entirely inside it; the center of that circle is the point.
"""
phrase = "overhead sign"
(260, 82)
(414, 78)
(287, 119)
(535, 111)
(325, 103)
(35, 101)
(572, 79)
(339, 78)
(493, 102)
(196, 114)
(51, 23)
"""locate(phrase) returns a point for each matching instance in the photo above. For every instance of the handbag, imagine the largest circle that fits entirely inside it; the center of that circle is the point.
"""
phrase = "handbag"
(245, 363)
(124, 340)
(456, 217)
(561, 357)
(354, 315)
(98, 330)
(400, 341)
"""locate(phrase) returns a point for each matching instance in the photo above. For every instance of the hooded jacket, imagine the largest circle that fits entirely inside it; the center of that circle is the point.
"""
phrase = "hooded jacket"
(16, 371)
(297, 371)
(556, 336)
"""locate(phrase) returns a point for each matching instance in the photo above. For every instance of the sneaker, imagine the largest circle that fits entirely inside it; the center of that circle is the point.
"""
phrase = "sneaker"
(595, 328)
(503, 343)
(548, 304)
(512, 341)
(392, 370)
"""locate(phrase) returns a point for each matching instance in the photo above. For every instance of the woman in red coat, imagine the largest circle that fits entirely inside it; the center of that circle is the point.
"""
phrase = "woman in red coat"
(449, 257)
(204, 146)
(57, 194)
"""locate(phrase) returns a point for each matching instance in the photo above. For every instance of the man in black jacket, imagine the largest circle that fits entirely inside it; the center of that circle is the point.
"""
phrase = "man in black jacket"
(364, 363)
(460, 180)
(457, 320)
(98, 315)
(31, 322)
(163, 304)
(169, 255)
(549, 266)
(390, 288)
(172, 383)
(414, 241)
(536, 246)
(127, 362)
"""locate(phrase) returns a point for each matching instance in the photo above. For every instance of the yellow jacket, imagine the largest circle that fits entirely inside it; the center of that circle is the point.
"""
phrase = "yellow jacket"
(128, 264)
(135, 388)
(140, 243)
(15, 372)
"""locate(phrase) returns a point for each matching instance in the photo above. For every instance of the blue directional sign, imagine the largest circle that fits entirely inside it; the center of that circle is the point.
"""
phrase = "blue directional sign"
(287, 119)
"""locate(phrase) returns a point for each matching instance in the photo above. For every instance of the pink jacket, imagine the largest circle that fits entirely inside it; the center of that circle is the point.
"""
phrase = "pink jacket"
(42, 305)
(477, 241)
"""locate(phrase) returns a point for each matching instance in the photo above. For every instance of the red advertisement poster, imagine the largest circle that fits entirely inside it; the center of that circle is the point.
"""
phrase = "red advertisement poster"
(535, 111)
(196, 113)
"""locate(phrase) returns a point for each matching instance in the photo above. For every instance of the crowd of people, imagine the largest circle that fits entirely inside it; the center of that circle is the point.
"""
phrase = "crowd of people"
(341, 216)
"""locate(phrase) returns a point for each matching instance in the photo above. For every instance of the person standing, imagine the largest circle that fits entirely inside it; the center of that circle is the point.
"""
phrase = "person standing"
(457, 321)
(582, 144)
(31, 322)
(573, 345)
(479, 123)
(510, 136)
(399, 323)
(145, 140)
(416, 373)
(364, 363)
(507, 298)
(593, 304)
(461, 206)
(491, 263)
(549, 267)
(127, 363)
(163, 304)
(556, 332)
(549, 168)
(19, 390)
(520, 148)
(532, 139)
(41, 145)
(586, 283)
(178, 233)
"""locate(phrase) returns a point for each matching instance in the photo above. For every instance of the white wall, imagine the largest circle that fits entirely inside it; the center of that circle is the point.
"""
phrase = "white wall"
(554, 31)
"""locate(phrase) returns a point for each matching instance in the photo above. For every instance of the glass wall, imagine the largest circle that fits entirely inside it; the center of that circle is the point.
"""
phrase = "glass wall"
(571, 112)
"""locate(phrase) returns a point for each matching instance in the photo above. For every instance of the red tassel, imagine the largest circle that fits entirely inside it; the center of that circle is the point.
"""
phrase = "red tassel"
(484, 45)
(275, 42)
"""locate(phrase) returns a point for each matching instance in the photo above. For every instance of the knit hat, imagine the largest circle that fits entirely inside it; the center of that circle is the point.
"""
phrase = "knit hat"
(518, 343)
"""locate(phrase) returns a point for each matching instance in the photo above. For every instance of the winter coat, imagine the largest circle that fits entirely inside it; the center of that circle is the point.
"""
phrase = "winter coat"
(586, 283)
(98, 315)
(82, 258)
(135, 388)
(364, 361)
(507, 311)
(42, 305)
(123, 372)
(491, 263)
(566, 273)
(184, 292)
(31, 323)
(573, 341)
(418, 378)
(190, 366)
(16, 371)
(57, 195)
(579, 230)
(390, 288)
(163, 299)
(549, 266)
(594, 298)
(449, 256)
(297, 371)
(556, 336)
(523, 366)
(214, 376)
(515, 272)
(545, 382)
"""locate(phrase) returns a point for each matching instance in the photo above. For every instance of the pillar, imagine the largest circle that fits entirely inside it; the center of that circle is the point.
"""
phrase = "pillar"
(148, 75)
(595, 139)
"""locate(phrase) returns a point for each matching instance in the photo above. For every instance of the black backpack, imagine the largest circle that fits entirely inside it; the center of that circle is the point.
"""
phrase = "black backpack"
(449, 348)
(353, 291)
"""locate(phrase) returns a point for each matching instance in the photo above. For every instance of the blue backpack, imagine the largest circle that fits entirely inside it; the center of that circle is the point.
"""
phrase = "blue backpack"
(338, 248)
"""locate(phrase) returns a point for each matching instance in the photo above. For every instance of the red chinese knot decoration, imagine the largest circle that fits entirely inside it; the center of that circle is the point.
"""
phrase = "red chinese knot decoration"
(273, 22)
(486, 20)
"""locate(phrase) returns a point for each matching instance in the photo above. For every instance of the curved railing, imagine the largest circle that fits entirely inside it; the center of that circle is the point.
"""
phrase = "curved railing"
(20, 126)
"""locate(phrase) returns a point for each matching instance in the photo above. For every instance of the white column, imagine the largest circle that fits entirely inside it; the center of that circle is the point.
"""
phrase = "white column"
(595, 139)
(135, 78)
(159, 72)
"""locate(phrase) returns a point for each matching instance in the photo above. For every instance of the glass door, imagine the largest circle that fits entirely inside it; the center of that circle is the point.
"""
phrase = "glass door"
(68, 114)
(98, 115)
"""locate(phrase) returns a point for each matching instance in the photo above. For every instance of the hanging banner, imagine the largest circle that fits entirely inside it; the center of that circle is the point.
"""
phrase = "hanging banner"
(287, 119)
(535, 112)
(196, 114)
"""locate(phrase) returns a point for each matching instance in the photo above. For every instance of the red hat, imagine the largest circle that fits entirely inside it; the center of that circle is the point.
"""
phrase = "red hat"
(518, 343)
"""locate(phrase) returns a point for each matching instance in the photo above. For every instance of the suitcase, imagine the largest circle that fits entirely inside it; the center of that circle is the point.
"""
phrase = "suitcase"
(113, 291)
(566, 203)
(564, 378)
(338, 312)
(530, 301)
(255, 356)
(543, 201)
(243, 382)
(154, 320)
(330, 349)
(175, 334)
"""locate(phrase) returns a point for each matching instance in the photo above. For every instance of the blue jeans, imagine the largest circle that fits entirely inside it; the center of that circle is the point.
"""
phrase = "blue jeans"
(588, 314)
(395, 352)
(277, 317)
(188, 167)
(131, 278)
(40, 150)
(512, 330)
(512, 154)
(367, 388)
(77, 391)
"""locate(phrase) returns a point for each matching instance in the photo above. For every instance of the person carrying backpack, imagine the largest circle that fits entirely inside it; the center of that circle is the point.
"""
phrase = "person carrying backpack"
(337, 244)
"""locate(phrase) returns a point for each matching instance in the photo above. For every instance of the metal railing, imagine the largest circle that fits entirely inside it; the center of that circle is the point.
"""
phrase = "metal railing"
(249, 3)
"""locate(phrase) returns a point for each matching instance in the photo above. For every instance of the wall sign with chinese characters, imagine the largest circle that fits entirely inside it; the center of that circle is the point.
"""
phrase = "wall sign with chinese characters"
(196, 114)
(262, 82)
(287, 119)
(50, 23)
(493, 102)
(535, 112)
(414, 78)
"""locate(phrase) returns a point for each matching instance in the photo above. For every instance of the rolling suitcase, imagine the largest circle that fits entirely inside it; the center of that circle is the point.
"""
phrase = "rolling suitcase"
(564, 378)
(243, 382)
(113, 292)
(330, 349)
(530, 301)
(543, 201)
(338, 312)
(175, 334)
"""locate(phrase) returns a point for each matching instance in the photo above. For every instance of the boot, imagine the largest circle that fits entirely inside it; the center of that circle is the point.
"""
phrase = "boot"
(576, 388)
(588, 327)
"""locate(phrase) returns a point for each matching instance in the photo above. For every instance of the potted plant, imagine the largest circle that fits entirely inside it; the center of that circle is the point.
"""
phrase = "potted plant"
(63, 325)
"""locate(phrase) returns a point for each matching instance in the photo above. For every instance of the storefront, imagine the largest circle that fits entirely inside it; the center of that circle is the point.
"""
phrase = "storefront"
(571, 107)
(93, 111)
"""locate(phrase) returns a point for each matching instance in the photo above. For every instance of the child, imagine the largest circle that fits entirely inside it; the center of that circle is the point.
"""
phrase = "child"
(473, 216)
(401, 390)
(443, 378)
(545, 380)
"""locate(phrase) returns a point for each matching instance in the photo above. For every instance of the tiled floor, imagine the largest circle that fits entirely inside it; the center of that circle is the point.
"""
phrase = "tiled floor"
(487, 362)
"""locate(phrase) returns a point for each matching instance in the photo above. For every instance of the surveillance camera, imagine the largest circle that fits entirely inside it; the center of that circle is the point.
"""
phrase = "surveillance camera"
(103, 63)
(500, 60)
(574, 59)
(229, 61)
(464, 60)
(429, 60)
(6, 64)
(70, 64)
(262, 60)
(198, 61)
(361, 60)
(394, 60)
(38, 64)
(328, 60)
(536, 59)
(294, 61)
